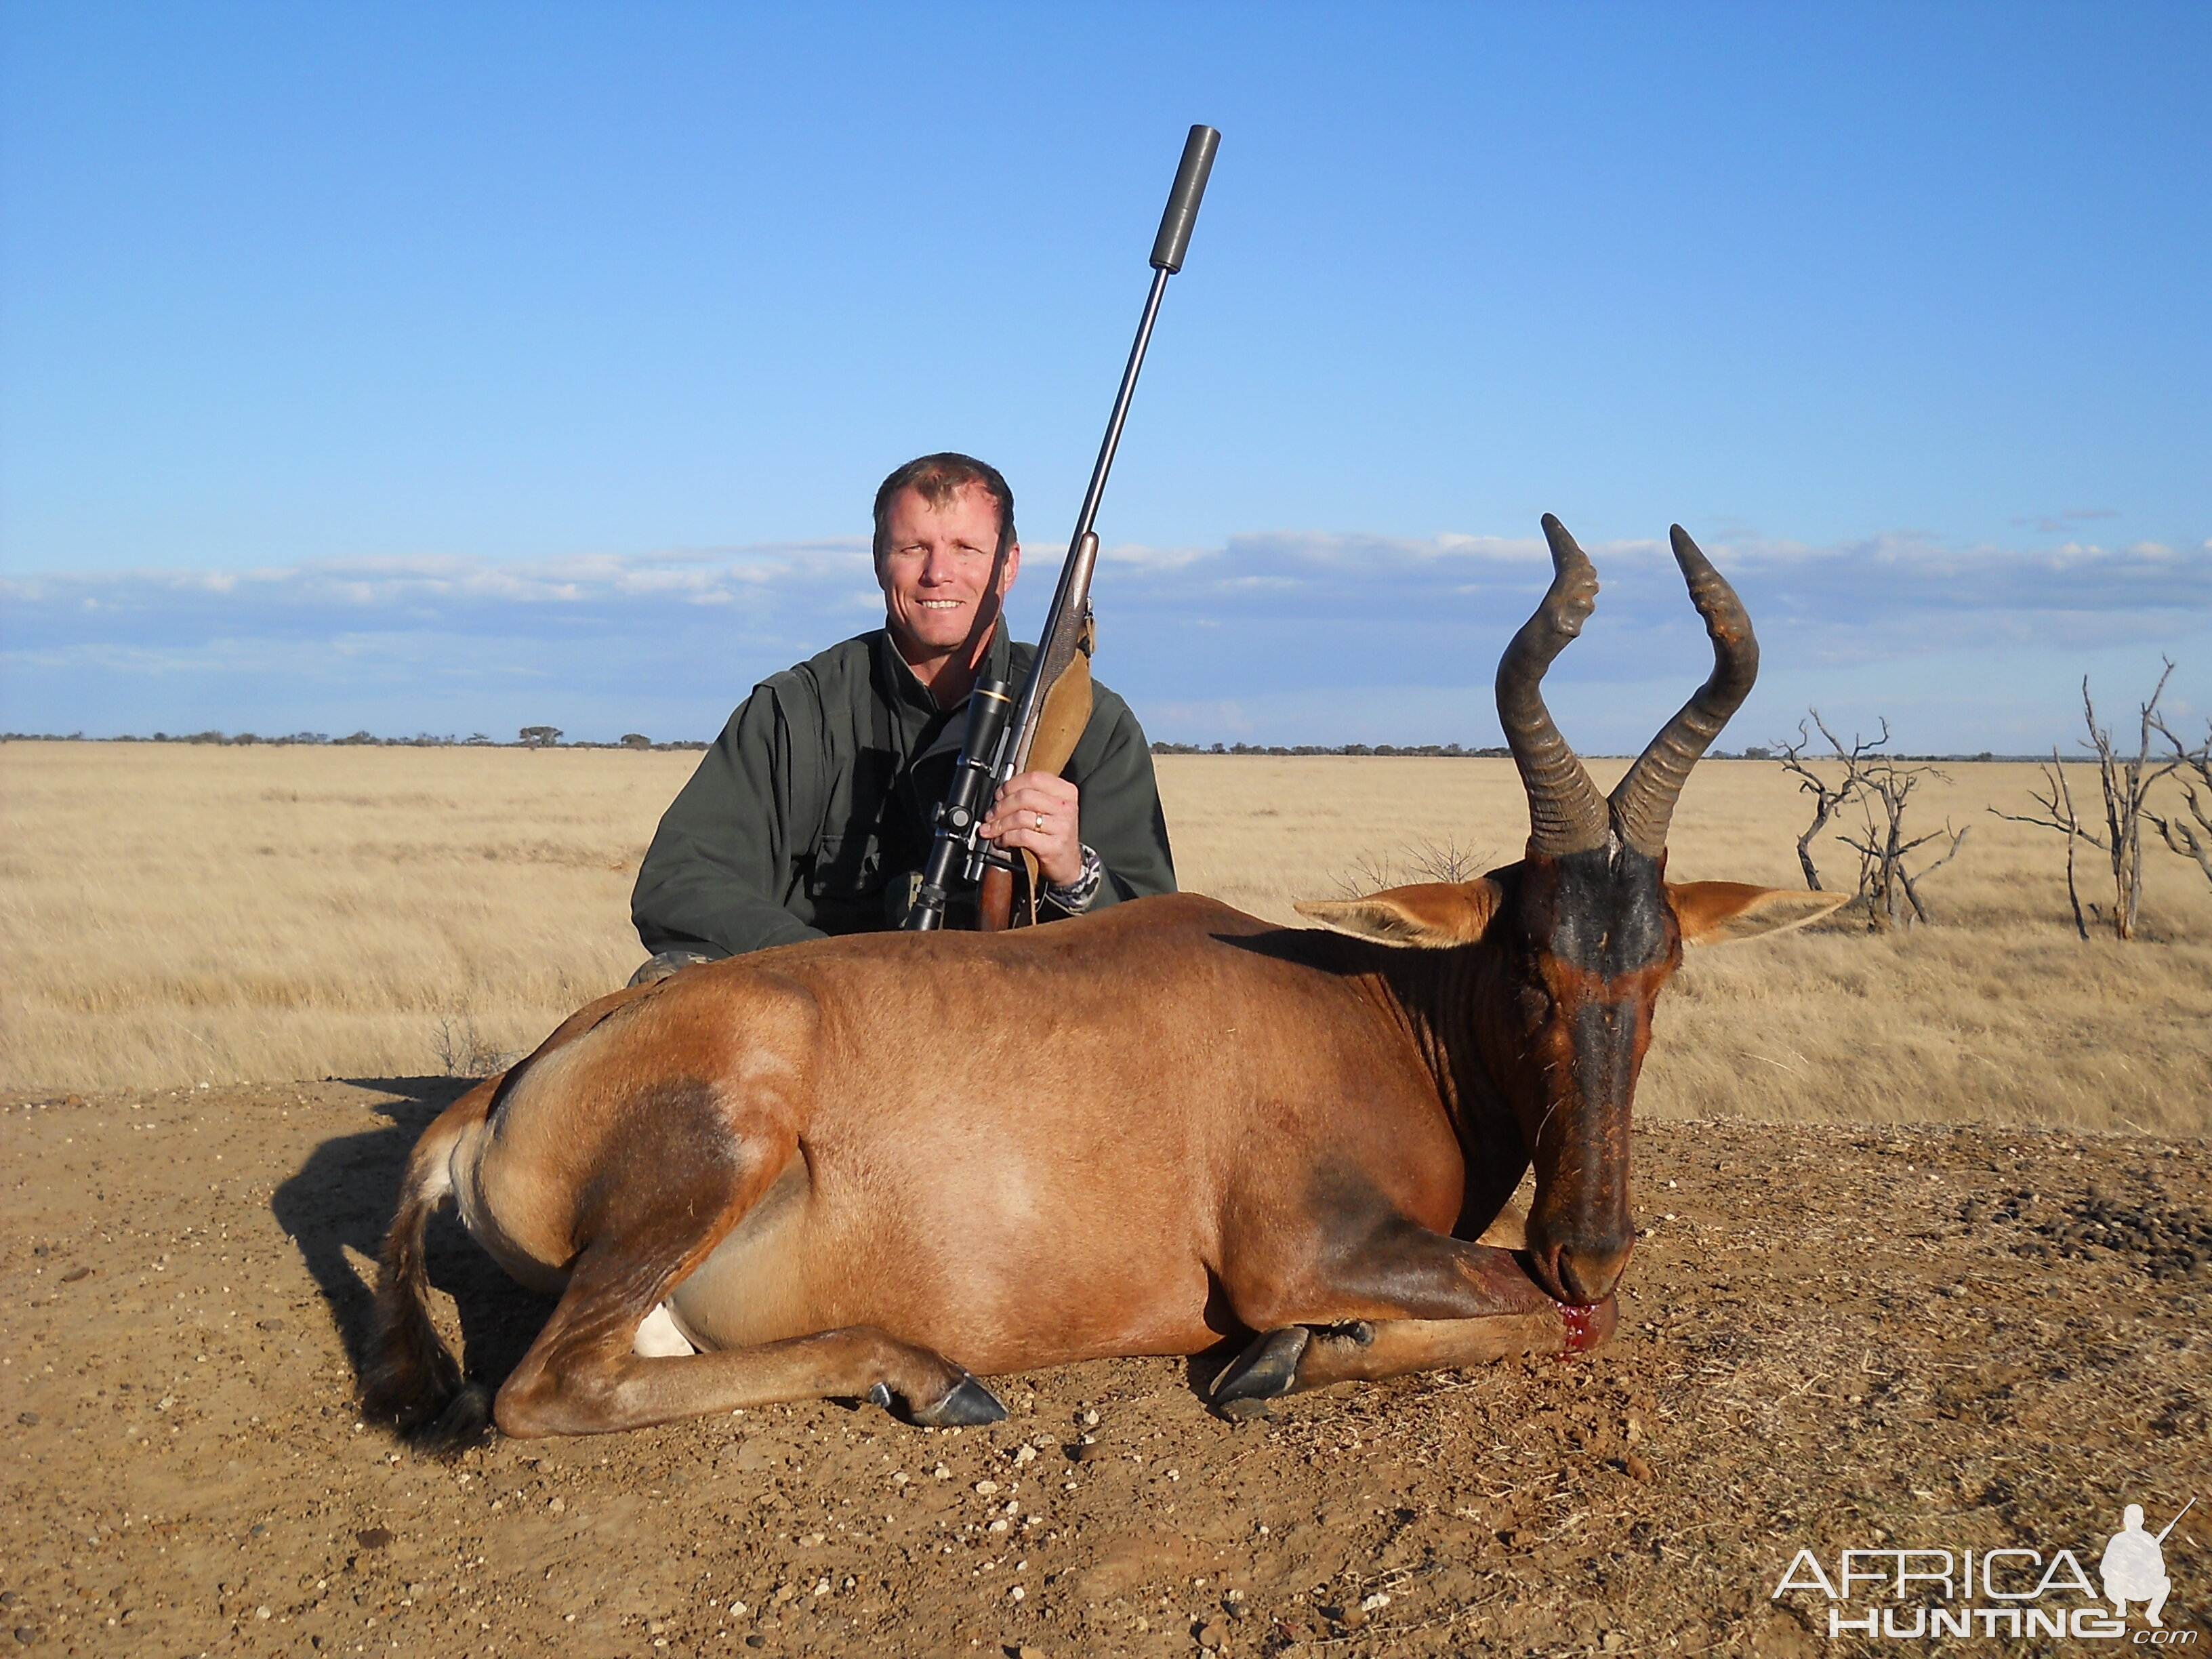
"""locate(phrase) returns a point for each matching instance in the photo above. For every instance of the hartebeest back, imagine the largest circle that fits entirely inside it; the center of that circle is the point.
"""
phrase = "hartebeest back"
(876, 1165)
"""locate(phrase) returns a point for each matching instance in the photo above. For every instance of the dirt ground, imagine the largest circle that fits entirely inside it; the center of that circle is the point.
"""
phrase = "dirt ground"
(1951, 1337)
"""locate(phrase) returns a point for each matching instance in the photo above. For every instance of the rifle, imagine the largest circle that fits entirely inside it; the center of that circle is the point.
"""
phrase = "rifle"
(1002, 733)
(2176, 1522)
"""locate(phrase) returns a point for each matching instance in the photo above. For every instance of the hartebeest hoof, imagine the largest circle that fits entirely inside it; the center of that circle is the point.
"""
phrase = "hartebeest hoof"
(1267, 1370)
(968, 1405)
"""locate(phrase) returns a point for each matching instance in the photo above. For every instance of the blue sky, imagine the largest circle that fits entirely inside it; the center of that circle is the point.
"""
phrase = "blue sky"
(456, 368)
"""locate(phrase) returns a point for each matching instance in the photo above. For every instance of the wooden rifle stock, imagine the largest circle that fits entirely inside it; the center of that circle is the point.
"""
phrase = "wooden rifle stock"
(995, 898)
(1063, 715)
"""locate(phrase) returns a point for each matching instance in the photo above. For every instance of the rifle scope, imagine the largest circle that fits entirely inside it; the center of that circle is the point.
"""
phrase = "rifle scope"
(958, 839)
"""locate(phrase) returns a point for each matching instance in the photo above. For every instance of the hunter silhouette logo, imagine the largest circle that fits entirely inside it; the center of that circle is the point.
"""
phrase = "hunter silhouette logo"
(2133, 1567)
(1921, 1594)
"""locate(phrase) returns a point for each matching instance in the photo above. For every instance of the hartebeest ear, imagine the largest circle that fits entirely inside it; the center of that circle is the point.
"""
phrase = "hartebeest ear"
(1730, 912)
(1432, 916)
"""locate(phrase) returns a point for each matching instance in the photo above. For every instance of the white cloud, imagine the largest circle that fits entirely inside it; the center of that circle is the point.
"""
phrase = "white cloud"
(1281, 636)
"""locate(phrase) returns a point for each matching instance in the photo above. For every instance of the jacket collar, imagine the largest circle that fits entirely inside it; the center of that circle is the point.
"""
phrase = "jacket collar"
(897, 684)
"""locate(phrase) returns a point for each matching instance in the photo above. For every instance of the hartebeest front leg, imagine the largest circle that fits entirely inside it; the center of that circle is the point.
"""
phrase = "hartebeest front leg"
(1400, 1299)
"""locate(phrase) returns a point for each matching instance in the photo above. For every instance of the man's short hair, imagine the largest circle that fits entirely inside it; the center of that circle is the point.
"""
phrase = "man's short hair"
(940, 477)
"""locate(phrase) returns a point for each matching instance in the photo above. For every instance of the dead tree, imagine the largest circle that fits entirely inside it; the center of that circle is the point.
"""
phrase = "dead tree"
(1891, 889)
(2127, 786)
(2192, 841)
(2058, 813)
(1827, 798)
(1880, 788)
(2125, 782)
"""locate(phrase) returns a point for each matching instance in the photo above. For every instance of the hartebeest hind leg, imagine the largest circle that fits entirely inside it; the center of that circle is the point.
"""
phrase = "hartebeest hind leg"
(581, 1383)
(684, 1182)
(583, 1376)
(1400, 1299)
(684, 1177)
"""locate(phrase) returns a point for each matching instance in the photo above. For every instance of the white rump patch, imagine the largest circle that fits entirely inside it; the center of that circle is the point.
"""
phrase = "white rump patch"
(658, 1339)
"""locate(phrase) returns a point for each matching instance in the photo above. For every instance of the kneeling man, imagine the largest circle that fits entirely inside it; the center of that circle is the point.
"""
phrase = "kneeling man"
(812, 814)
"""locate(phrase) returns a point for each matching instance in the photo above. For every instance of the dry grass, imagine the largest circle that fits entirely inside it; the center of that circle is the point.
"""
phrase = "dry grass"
(177, 914)
(201, 914)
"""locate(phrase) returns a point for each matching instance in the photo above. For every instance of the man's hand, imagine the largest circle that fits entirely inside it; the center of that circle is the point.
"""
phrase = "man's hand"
(1038, 810)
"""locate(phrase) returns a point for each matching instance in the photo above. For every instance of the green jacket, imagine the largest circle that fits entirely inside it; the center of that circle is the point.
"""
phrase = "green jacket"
(813, 806)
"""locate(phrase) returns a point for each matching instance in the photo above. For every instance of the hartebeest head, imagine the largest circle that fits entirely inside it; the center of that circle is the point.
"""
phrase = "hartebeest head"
(1579, 937)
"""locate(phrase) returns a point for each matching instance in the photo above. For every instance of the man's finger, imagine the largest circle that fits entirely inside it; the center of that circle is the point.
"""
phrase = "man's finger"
(1019, 802)
(1044, 784)
(1058, 849)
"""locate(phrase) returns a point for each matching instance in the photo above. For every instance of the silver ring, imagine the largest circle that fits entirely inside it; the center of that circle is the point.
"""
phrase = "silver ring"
(1040, 823)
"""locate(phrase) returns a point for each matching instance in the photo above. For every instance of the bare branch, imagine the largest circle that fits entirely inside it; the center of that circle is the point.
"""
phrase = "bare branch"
(1912, 881)
(2190, 841)
(1881, 789)
(1827, 798)
(2125, 783)
(2185, 839)
(2059, 814)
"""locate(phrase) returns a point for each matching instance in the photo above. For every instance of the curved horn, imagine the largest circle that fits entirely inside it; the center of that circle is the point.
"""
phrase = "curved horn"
(1566, 814)
(1643, 802)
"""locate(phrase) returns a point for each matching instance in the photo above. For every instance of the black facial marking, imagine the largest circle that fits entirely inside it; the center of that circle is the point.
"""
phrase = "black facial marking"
(1605, 1050)
(1608, 913)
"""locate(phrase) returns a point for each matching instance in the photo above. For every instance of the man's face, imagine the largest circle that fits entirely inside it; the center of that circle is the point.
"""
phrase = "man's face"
(939, 569)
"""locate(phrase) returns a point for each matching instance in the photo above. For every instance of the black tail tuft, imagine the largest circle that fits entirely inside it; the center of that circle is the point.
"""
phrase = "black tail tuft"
(466, 1422)
(410, 1379)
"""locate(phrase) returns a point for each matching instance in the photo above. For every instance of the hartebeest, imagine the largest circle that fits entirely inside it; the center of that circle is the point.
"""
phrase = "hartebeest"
(876, 1165)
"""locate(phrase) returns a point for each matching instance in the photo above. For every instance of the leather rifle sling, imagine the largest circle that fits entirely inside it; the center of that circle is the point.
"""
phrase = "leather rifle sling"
(1061, 725)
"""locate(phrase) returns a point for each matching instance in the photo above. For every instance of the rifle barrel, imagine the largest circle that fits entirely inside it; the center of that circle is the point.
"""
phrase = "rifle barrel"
(1087, 519)
(2176, 1522)
(992, 753)
(1071, 597)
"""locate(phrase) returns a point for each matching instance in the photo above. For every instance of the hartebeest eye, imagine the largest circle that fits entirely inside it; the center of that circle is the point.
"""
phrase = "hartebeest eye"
(1533, 1003)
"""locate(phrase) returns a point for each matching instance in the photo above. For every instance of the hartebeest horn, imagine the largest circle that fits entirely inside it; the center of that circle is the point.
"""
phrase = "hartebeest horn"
(1643, 802)
(1566, 814)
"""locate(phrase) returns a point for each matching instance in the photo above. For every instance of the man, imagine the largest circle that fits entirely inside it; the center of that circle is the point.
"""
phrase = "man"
(811, 813)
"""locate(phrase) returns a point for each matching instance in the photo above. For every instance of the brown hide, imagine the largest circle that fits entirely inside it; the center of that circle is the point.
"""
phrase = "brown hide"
(996, 1166)
(1022, 1149)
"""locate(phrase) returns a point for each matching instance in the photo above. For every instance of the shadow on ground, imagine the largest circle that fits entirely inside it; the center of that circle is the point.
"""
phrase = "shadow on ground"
(341, 1199)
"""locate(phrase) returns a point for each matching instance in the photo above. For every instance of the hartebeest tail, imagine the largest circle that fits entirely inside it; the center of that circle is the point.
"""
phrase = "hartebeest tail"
(409, 1377)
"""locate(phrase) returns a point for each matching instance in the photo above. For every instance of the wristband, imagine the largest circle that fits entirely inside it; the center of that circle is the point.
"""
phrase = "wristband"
(1076, 896)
